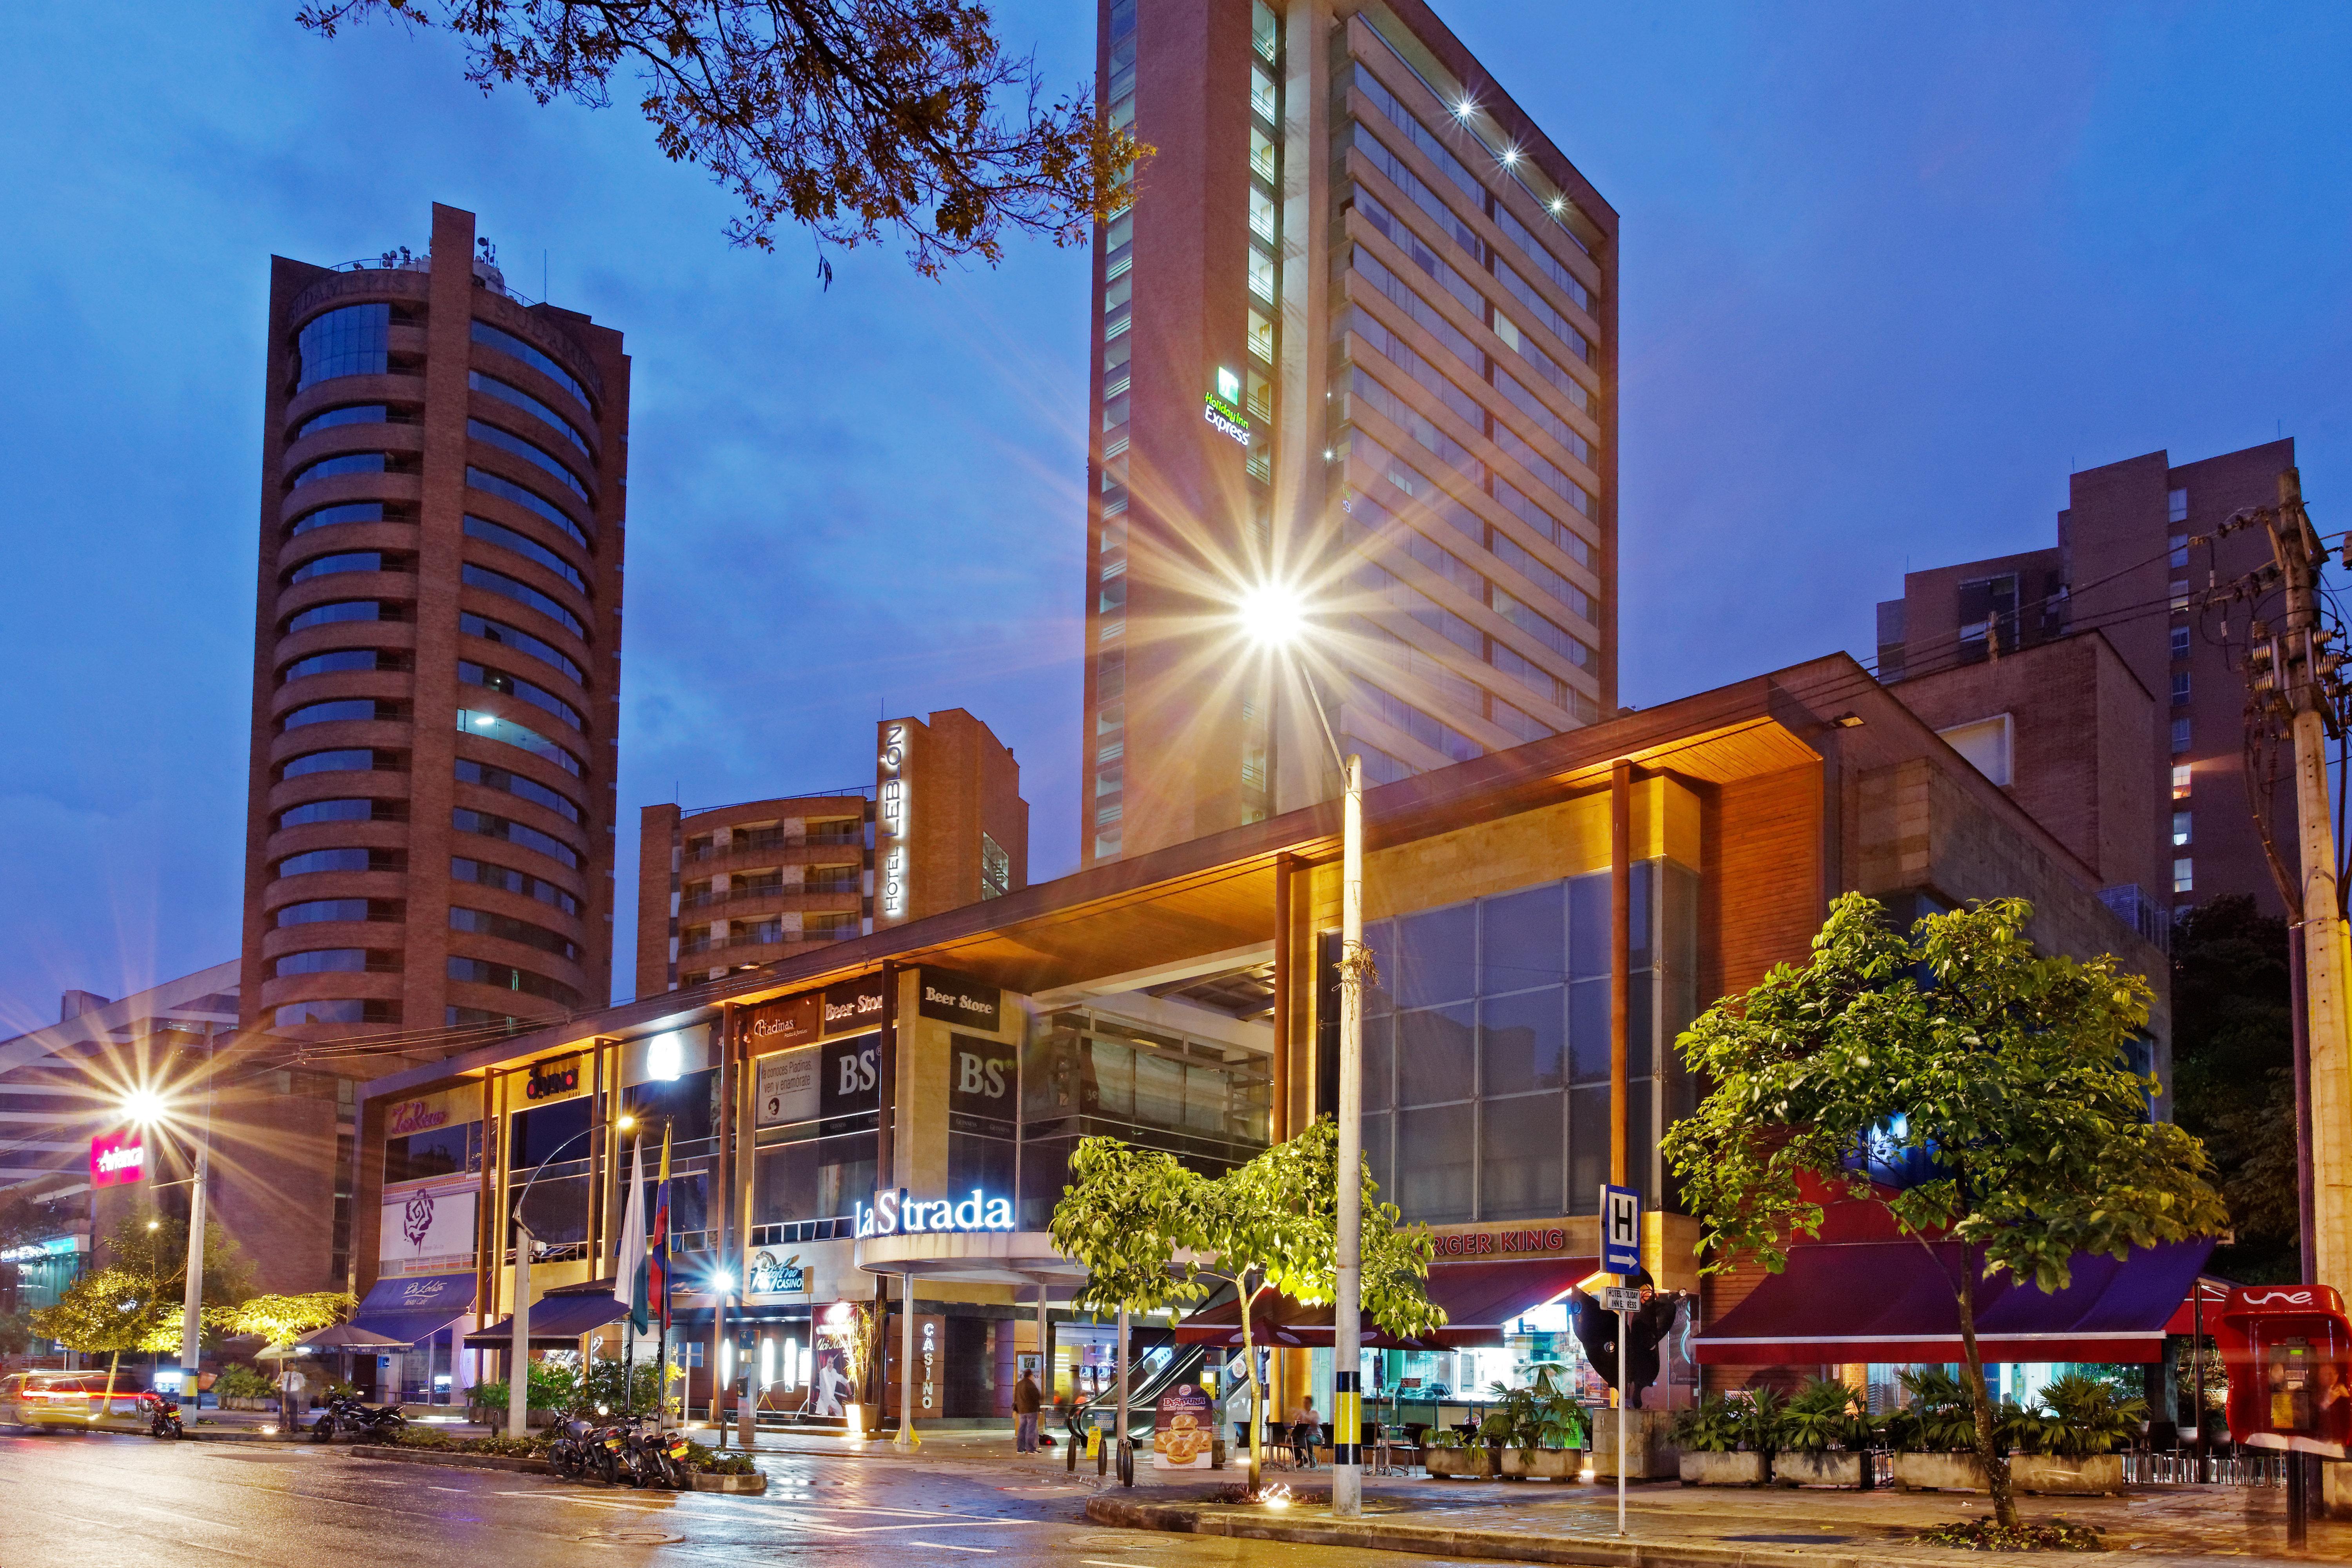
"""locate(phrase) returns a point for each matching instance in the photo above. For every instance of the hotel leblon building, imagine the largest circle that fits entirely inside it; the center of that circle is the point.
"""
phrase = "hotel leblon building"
(891, 1116)
(1354, 334)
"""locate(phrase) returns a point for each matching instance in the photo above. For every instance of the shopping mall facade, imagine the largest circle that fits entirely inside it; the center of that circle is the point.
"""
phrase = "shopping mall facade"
(893, 1116)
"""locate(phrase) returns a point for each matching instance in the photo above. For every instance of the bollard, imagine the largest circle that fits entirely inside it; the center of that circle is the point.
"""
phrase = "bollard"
(1070, 1454)
(1126, 1461)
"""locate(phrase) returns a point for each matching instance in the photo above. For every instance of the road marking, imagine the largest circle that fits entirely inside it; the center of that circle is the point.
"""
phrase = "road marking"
(950, 1546)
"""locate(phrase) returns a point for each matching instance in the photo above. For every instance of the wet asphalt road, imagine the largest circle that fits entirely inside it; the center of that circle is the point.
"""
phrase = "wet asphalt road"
(107, 1498)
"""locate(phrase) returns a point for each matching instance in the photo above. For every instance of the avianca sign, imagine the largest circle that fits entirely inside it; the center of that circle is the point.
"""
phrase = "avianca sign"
(896, 1214)
(116, 1158)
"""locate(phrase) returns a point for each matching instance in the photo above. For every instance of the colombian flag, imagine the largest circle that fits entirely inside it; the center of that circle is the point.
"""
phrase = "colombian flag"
(658, 1240)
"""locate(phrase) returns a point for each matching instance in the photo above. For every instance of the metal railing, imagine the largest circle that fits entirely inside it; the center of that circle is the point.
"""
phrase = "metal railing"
(756, 843)
(2180, 1468)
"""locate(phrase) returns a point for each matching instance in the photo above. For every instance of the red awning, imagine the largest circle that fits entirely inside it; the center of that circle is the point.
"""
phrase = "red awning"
(1885, 1300)
(1480, 1300)
(2215, 1294)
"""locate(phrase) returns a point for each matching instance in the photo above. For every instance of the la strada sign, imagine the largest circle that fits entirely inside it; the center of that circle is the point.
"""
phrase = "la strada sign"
(892, 1213)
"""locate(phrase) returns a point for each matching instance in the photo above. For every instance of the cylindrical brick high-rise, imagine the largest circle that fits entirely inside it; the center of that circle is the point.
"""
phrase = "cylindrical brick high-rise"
(437, 652)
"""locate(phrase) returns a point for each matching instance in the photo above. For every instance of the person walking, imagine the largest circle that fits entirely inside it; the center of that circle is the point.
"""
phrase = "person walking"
(1026, 1403)
(290, 1402)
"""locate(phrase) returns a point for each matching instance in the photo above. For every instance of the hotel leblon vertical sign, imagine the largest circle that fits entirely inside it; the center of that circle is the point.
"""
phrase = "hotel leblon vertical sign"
(890, 819)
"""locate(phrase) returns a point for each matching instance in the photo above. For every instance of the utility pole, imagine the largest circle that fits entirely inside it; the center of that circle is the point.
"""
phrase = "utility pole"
(2303, 671)
(192, 1301)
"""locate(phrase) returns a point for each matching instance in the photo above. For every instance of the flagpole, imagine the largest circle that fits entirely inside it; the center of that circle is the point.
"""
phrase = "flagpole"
(660, 1243)
(629, 1270)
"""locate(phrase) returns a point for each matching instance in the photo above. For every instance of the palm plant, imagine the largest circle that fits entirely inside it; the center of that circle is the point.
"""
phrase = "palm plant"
(1941, 1418)
(2085, 1417)
(1714, 1426)
(1824, 1413)
(1761, 1423)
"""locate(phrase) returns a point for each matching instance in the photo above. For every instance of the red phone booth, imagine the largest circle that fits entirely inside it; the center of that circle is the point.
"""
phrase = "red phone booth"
(2287, 1350)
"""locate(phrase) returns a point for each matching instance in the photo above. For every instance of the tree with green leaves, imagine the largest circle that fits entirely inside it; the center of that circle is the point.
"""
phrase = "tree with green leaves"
(1152, 1233)
(1957, 1042)
(282, 1320)
(843, 117)
(108, 1311)
(2233, 1076)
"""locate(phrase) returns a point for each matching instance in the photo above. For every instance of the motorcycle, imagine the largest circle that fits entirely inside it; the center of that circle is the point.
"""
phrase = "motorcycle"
(356, 1416)
(569, 1454)
(656, 1457)
(165, 1421)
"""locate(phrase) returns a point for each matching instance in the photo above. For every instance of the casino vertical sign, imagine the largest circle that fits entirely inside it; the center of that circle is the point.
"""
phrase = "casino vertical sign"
(892, 847)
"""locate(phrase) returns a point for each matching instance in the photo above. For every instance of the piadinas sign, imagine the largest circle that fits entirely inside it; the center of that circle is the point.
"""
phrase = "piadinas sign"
(892, 1213)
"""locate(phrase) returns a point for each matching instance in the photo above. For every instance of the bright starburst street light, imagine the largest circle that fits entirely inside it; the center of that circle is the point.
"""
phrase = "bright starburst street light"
(1272, 614)
(144, 1106)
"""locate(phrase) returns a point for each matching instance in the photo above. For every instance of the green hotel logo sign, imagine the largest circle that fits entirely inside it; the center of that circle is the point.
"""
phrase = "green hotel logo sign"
(1227, 419)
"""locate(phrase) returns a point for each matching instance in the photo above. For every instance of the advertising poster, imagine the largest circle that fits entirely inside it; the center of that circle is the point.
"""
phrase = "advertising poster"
(427, 1229)
(785, 1088)
(831, 1333)
(1183, 1430)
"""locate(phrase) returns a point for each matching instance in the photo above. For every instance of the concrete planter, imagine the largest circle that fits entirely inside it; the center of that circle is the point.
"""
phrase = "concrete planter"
(1722, 1470)
(1544, 1464)
(1473, 1464)
(1651, 1451)
(2049, 1475)
(1790, 1468)
(1938, 1473)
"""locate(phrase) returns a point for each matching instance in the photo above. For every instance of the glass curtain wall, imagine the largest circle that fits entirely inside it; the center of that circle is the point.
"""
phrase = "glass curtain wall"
(807, 1174)
(1084, 1074)
(1487, 1045)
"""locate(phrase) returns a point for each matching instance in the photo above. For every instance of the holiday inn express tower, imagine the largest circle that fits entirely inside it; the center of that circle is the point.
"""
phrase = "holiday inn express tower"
(1356, 335)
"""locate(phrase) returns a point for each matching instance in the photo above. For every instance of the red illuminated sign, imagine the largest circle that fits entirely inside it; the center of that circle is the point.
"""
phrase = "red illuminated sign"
(116, 1158)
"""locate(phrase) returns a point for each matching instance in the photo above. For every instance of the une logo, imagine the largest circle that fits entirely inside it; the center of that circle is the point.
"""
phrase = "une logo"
(2291, 1298)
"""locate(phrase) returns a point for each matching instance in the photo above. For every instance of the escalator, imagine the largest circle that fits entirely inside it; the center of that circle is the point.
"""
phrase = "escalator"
(1157, 1370)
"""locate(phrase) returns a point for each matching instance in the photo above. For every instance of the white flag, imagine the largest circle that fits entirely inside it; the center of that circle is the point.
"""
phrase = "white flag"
(629, 1259)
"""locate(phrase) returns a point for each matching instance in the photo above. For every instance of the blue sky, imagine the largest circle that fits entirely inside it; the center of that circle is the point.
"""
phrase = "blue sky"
(1888, 274)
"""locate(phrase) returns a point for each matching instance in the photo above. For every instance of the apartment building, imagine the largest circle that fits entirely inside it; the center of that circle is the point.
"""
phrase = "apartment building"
(1355, 336)
(2139, 542)
(437, 651)
(724, 889)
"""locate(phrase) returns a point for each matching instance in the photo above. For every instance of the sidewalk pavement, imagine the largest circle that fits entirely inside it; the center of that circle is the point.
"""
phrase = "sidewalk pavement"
(1717, 1527)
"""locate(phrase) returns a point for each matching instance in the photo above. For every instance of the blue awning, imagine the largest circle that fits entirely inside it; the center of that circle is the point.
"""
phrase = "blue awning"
(558, 1319)
(414, 1310)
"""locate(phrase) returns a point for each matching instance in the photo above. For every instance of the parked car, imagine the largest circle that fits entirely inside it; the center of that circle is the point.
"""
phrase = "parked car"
(72, 1398)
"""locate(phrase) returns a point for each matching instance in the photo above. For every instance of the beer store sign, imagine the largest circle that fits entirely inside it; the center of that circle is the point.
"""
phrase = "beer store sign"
(953, 999)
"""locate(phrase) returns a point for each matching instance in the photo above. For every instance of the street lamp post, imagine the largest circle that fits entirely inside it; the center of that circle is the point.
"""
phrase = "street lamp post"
(1347, 1312)
(1275, 618)
(147, 1107)
(518, 1354)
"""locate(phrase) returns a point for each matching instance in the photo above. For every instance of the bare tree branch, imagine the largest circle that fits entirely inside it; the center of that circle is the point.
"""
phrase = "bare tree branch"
(843, 117)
